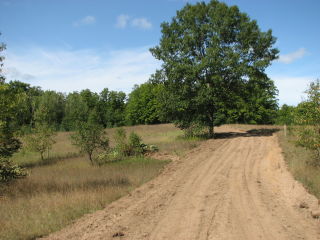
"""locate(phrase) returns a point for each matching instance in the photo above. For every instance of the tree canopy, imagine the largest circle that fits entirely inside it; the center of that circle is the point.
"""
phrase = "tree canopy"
(144, 105)
(210, 54)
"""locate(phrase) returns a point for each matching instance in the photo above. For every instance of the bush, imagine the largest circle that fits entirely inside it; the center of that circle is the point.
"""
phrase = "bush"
(307, 116)
(120, 139)
(135, 144)
(132, 146)
(10, 171)
(149, 148)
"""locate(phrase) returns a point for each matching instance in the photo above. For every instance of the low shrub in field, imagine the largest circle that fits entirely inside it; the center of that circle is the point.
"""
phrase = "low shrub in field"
(132, 146)
(125, 147)
(10, 171)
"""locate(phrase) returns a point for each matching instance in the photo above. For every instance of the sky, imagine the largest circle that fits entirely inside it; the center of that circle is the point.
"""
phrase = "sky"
(70, 45)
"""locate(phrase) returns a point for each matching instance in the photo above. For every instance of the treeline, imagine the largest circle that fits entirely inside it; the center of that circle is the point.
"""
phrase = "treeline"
(65, 111)
(146, 104)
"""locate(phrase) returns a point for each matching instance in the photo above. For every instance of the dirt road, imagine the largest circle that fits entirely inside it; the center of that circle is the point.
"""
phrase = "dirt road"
(236, 187)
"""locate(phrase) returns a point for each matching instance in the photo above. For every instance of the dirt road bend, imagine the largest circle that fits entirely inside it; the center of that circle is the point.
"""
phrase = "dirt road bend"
(235, 187)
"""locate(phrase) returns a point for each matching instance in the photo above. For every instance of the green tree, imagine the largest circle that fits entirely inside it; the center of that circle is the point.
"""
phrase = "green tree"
(9, 144)
(255, 103)
(76, 111)
(49, 108)
(286, 115)
(9, 103)
(90, 137)
(210, 51)
(26, 107)
(144, 106)
(41, 139)
(307, 116)
(111, 108)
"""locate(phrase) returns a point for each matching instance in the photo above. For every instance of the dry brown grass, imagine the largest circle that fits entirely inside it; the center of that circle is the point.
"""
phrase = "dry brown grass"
(55, 194)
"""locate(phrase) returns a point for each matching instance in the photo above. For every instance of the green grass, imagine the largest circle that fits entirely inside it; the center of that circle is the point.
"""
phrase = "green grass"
(65, 186)
(298, 162)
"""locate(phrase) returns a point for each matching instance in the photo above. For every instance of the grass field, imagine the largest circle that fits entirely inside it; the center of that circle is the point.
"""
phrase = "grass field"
(66, 186)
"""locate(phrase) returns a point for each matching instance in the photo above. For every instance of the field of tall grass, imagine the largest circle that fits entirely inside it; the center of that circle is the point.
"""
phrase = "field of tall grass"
(66, 186)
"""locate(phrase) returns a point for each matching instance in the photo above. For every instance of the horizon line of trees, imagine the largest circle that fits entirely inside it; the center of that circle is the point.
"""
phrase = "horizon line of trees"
(146, 104)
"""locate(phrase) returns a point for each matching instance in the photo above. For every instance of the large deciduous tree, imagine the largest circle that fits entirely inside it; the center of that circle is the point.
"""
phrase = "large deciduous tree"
(210, 52)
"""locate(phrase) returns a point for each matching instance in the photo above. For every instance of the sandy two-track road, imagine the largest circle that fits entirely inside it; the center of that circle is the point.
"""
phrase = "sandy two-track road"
(235, 187)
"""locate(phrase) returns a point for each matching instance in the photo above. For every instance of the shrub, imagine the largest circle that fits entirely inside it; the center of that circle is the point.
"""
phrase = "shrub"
(10, 171)
(308, 119)
(120, 139)
(135, 144)
(149, 148)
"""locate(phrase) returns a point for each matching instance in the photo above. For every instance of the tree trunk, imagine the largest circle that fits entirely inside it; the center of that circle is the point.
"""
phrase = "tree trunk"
(211, 131)
(90, 157)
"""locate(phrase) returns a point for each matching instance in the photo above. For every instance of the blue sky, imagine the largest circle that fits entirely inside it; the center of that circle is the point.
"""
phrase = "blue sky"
(70, 45)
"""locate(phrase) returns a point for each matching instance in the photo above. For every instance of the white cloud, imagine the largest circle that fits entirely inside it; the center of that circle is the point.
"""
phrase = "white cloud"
(122, 21)
(68, 71)
(15, 74)
(142, 23)
(289, 58)
(291, 88)
(85, 21)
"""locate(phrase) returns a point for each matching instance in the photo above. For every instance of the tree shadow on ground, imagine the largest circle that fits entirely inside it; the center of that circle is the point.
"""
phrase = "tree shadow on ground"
(250, 133)
(51, 160)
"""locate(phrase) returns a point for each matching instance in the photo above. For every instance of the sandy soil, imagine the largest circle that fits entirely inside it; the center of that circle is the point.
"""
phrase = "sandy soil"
(236, 187)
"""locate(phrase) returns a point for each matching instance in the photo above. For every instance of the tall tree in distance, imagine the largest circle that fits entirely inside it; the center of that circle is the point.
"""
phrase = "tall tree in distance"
(210, 52)
(111, 108)
(144, 105)
(49, 108)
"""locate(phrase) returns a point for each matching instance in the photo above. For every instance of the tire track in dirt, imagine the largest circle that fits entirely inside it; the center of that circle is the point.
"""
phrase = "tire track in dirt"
(232, 188)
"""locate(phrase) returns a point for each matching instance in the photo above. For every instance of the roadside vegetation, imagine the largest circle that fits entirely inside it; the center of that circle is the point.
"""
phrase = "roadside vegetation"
(298, 160)
(301, 143)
